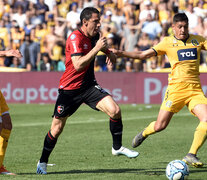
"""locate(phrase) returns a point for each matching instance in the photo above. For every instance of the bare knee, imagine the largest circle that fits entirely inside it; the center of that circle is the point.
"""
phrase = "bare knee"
(115, 112)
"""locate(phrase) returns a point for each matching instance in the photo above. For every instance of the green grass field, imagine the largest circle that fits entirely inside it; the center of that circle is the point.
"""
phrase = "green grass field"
(83, 150)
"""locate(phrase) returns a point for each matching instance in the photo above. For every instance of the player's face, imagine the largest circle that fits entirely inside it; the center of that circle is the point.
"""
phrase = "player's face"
(93, 25)
(180, 30)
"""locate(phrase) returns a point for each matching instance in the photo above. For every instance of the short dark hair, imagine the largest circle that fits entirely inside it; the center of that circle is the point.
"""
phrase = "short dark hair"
(180, 17)
(87, 13)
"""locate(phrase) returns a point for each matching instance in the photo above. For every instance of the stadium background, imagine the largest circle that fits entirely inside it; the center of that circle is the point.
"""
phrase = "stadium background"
(39, 28)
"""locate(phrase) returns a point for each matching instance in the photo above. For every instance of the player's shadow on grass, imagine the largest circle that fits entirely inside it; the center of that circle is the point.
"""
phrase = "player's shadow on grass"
(154, 171)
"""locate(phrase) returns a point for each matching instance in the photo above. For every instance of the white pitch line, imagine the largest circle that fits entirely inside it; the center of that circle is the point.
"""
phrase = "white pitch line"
(94, 120)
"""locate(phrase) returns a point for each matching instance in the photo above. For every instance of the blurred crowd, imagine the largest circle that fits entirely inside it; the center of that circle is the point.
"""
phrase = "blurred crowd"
(39, 29)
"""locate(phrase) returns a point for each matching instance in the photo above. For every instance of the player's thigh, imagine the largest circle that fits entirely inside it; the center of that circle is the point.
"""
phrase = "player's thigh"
(198, 102)
(98, 99)
(175, 98)
(110, 107)
(66, 104)
(200, 111)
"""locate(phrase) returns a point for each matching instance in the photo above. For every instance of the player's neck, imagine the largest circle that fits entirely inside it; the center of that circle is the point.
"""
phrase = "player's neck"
(83, 30)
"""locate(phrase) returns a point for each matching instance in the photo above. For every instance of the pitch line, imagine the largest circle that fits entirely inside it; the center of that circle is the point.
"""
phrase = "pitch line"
(94, 120)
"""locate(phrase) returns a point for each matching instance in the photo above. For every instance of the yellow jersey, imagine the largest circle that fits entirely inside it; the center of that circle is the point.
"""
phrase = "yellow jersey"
(184, 57)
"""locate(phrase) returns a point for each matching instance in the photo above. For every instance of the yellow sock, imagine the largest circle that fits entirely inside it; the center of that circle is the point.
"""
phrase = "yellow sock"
(149, 129)
(5, 133)
(199, 137)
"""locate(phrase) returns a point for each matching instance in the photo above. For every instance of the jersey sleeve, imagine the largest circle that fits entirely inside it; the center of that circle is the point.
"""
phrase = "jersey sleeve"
(204, 43)
(75, 45)
(160, 48)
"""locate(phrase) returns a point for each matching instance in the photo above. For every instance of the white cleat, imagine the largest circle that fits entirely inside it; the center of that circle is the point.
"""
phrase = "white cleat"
(41, 168)
(125, 151)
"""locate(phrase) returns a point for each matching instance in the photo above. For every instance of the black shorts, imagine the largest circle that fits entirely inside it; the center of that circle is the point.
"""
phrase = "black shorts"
(69, 101)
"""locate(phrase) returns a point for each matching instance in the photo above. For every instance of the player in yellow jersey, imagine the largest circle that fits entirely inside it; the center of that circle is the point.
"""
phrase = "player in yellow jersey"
(5, 119)
(184, 88)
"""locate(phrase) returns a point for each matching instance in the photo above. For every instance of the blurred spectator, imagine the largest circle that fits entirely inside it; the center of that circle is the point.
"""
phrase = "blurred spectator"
(51, 4)
(44, 64)
(16, 63)
(192, 17)
(144, 43)
(151, 27)
(119, 19)
(88, 3)
(19, 16)
(145, 9)
(17, 3)
(199, 10)
(17, 36)
(5, 36)
(32, 15)
(61, 64)
(205, 27)
(41, 8)
(29, 52)
(37, 36)
(163, 13)
(62, 8)
(61, 27)
(97, 67)
(53, 44)
(73, 16)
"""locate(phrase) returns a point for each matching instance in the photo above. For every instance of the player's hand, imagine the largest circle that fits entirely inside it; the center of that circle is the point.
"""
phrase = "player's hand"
(13, 52)
(101, 44)
(116, 52)
(111, 58)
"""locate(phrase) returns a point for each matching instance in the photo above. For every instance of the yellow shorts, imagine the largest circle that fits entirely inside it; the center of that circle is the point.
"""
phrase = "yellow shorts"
(3, 105)
(181, 94)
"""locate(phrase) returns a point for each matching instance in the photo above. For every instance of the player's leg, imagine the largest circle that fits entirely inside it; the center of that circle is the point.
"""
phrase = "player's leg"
(49, 143)
(163, 120)
(200, 135)
(111, 108)
(173, 102)
(5, 131)
(64, 107)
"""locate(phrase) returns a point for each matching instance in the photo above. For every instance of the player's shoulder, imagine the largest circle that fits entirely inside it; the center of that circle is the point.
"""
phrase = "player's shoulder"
(168, 38)
(197, 37)
(75, 35)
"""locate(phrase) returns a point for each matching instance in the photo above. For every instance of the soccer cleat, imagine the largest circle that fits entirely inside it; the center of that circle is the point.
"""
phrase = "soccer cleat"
(192, 159)
(41, 168)
(3, 171)
(125, 151)
(138, 139)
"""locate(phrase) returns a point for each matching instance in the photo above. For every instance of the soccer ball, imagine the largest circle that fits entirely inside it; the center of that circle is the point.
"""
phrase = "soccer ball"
(177, 170)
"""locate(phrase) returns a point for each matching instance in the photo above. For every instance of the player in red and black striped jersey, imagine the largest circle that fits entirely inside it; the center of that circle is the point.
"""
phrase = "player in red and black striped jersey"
(78, 85)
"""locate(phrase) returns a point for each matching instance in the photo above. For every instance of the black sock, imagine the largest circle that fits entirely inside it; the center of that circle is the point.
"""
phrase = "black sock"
(49, 145)
(116, 128)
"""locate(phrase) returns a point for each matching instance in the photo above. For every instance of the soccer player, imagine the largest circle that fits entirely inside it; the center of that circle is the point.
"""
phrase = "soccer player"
(5, 119)
(78, 85)
(184, 88)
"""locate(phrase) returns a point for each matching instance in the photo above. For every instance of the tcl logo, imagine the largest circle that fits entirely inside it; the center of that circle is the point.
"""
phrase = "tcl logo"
(187, 54)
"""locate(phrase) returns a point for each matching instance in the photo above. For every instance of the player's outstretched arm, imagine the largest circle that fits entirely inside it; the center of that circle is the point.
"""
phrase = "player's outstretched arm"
(11, 52)
(142, 55)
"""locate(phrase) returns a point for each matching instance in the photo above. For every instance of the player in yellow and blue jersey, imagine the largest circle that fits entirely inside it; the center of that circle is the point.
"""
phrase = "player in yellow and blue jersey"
(5, 119)
(184, 88)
